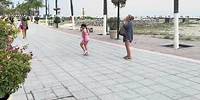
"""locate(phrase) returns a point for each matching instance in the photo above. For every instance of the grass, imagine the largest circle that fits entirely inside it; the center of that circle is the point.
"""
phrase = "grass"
(164, 31)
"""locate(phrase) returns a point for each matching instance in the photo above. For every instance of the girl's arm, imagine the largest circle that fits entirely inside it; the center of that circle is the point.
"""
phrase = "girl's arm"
(85, 31)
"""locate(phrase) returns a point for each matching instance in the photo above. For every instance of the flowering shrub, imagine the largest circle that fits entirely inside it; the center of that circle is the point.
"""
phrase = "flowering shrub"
(14, 64)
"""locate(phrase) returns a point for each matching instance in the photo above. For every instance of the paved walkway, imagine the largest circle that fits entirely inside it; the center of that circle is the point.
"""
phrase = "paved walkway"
(60, 72)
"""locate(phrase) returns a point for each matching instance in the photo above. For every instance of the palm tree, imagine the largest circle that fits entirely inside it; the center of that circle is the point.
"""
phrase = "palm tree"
(119, 4)
(29, 7)
(105, 16)
(176, 24)
(34, 5)
(4, 4)
(22, 9)
(46, 13)
(72, 14)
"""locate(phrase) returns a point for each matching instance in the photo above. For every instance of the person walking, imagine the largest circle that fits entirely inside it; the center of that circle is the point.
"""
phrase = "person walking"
(23, 26)
(128, 35)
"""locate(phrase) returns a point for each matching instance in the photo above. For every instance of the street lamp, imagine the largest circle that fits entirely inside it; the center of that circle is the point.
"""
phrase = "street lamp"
(72, 14)
(57, 19)
(105, 17)
(176, 24)
(118, 3)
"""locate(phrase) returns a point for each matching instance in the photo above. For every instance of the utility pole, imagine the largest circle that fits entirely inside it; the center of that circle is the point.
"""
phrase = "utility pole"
(72, 15)
(105, 18)
(176, 24)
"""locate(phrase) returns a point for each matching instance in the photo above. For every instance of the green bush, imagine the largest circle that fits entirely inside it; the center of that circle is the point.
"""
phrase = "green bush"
(57, 20)
(14, 67)
(112, 23)
(37, 18)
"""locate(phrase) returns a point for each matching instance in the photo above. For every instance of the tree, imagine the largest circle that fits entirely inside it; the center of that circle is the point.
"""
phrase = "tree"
(29, 7)
(119, 4)
(35, 5)
(4, 4)
(22, 9)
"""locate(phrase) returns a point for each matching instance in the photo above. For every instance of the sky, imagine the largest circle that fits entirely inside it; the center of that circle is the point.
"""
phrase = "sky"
(133, 7)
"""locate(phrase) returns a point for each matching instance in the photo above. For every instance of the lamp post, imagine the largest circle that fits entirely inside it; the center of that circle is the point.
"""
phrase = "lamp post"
(56, 7)
(57, 19)
(176, 24)
(72, 15)
(105, 17)
(118, 4)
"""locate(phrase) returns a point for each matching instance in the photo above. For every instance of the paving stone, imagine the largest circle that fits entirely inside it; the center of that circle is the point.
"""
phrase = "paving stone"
(133, 85)
(174, 94)
(127, 94)
(117, 88)
(144, 91)
(157, 96)
(159, 88)
(110, 97)
(189, 98)
(189, 91)
(61, 92)
(44, 94)
(101, 91)
(83, 94)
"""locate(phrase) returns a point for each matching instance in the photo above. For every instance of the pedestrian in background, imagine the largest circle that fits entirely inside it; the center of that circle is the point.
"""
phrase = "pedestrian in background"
(23, 26)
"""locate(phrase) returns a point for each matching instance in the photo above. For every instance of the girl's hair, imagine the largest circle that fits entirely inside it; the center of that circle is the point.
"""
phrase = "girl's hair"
(130, 17)
(23, 19)
(83, 25)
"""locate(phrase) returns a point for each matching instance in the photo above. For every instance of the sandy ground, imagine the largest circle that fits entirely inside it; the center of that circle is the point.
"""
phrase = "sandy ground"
(191, 30)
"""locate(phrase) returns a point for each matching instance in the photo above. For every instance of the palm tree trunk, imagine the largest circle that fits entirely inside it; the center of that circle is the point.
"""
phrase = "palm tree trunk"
(72, 9)
(105, 17)
(118, 19)
(46, 13)
(176, 24)
(56, 5)
(72, 14)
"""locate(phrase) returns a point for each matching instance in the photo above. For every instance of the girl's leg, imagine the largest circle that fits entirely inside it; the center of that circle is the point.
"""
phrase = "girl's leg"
(85, 44)
(128, 50)
(82, 46)
(86, 48)
(24, 33)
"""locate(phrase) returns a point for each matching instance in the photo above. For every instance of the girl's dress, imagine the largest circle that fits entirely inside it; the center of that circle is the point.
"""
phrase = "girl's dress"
(85, 36)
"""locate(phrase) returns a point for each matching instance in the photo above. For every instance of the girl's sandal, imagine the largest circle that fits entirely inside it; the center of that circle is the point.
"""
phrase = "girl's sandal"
(85, 54)
(127, 58)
